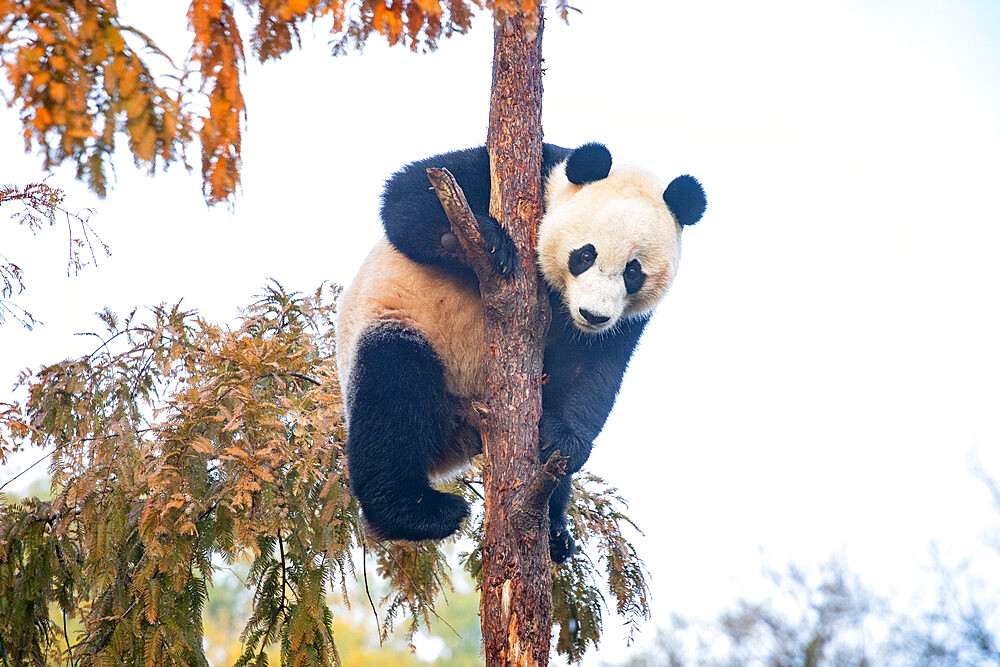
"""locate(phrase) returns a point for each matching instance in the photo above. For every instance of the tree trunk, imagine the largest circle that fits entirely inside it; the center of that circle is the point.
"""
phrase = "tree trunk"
(516, 599)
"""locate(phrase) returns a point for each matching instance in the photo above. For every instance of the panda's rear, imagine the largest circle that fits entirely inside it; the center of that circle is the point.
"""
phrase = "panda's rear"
(445, 309)
(441, 317)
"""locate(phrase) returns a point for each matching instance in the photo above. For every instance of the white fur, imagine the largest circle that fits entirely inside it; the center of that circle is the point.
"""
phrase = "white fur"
(447, 311)
(624, 217)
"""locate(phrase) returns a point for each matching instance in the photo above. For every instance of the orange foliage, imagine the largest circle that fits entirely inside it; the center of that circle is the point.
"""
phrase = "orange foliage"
(65, 62)
(13, 429)
(79, 81)
(389, 20)
(218, 49)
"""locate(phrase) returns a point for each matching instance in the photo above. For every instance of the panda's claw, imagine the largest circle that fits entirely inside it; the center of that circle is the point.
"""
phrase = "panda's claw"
(561, 544)
(503, 252)
(505, 260)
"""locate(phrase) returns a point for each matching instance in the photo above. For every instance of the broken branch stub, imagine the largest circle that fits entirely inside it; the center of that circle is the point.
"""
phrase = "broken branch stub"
(463, 224)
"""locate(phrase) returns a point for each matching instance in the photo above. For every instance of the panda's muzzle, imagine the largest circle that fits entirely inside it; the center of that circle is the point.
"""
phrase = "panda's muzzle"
(593, 318)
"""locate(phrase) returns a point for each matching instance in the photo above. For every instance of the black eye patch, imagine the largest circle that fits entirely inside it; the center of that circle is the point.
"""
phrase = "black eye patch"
(582, 259)
(634, 277)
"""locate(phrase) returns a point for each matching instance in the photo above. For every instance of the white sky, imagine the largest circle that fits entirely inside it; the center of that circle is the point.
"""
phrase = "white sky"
(828, 355)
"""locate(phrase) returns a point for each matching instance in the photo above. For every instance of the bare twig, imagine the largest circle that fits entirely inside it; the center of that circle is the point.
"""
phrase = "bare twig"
(106, 639)
(25, 470)
(472, 488)
(69, 647)
(364, 573)
(284, 581)
(300, 376)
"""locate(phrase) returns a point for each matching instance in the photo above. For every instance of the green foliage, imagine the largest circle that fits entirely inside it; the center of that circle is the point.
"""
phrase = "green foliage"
(177, 442)
(181, 447)
(596, 516)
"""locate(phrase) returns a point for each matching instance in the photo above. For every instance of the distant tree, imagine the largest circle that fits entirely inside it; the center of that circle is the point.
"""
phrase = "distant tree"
(825, 617)
(809, 619)
(963, 627)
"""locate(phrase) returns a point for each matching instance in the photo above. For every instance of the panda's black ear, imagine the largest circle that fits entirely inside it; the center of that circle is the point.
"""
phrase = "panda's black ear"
(588, 163)
(686, 199)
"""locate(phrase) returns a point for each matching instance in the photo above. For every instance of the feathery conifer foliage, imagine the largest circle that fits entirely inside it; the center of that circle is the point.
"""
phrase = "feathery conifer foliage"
(180, 446)
(82, 77)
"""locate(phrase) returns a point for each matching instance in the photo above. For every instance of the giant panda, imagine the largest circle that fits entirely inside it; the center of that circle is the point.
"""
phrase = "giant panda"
(410, 326)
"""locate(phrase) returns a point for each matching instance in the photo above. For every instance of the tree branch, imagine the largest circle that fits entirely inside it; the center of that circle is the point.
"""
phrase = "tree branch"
(463, 224)
(284, 580)
(26, 469)
(364, 573)
(531, 504)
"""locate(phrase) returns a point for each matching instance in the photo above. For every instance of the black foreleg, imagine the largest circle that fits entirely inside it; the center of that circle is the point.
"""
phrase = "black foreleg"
(399, 417)
(561, 545)
(556, 435)
(584, 375)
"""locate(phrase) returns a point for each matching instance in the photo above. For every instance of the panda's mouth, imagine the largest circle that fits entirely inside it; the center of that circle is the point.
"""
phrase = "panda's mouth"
(592, 329)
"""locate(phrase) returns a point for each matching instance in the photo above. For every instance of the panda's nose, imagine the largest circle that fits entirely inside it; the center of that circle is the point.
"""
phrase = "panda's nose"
(592, 318)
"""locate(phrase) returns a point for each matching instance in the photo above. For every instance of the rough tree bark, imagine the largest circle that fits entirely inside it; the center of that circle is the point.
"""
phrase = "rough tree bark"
(515, 603)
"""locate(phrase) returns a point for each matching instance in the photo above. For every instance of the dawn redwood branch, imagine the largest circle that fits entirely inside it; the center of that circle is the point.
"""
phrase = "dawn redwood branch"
(533, 497)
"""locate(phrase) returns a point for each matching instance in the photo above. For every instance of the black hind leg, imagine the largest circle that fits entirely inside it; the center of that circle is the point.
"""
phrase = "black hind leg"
(399, 421)
(561, 544)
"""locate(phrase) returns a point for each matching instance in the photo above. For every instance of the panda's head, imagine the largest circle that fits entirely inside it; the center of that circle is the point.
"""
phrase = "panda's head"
(610, 240)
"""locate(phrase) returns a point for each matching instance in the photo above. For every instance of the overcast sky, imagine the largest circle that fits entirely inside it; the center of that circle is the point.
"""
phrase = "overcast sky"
(828, 356)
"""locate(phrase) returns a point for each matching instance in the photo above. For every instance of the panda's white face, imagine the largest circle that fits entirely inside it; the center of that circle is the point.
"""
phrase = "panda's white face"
(610, 247)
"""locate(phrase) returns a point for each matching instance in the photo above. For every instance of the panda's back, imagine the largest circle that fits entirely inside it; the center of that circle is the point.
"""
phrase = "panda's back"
(445, 309)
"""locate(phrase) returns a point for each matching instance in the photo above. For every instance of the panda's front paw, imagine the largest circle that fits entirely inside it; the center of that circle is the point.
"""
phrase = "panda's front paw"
(561, 544)
(498, 243)
(548, 436)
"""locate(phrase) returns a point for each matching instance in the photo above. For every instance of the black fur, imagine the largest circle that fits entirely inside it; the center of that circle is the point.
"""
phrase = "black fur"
(634, 276)
(582, 259)
(415, 222)
(686, 199)
(395, 433)
(399, 411)
(588, 163)
(583, 376)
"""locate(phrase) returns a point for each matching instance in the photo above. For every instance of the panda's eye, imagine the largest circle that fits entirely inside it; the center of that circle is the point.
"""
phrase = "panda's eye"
(634, 277)
(582, 259)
